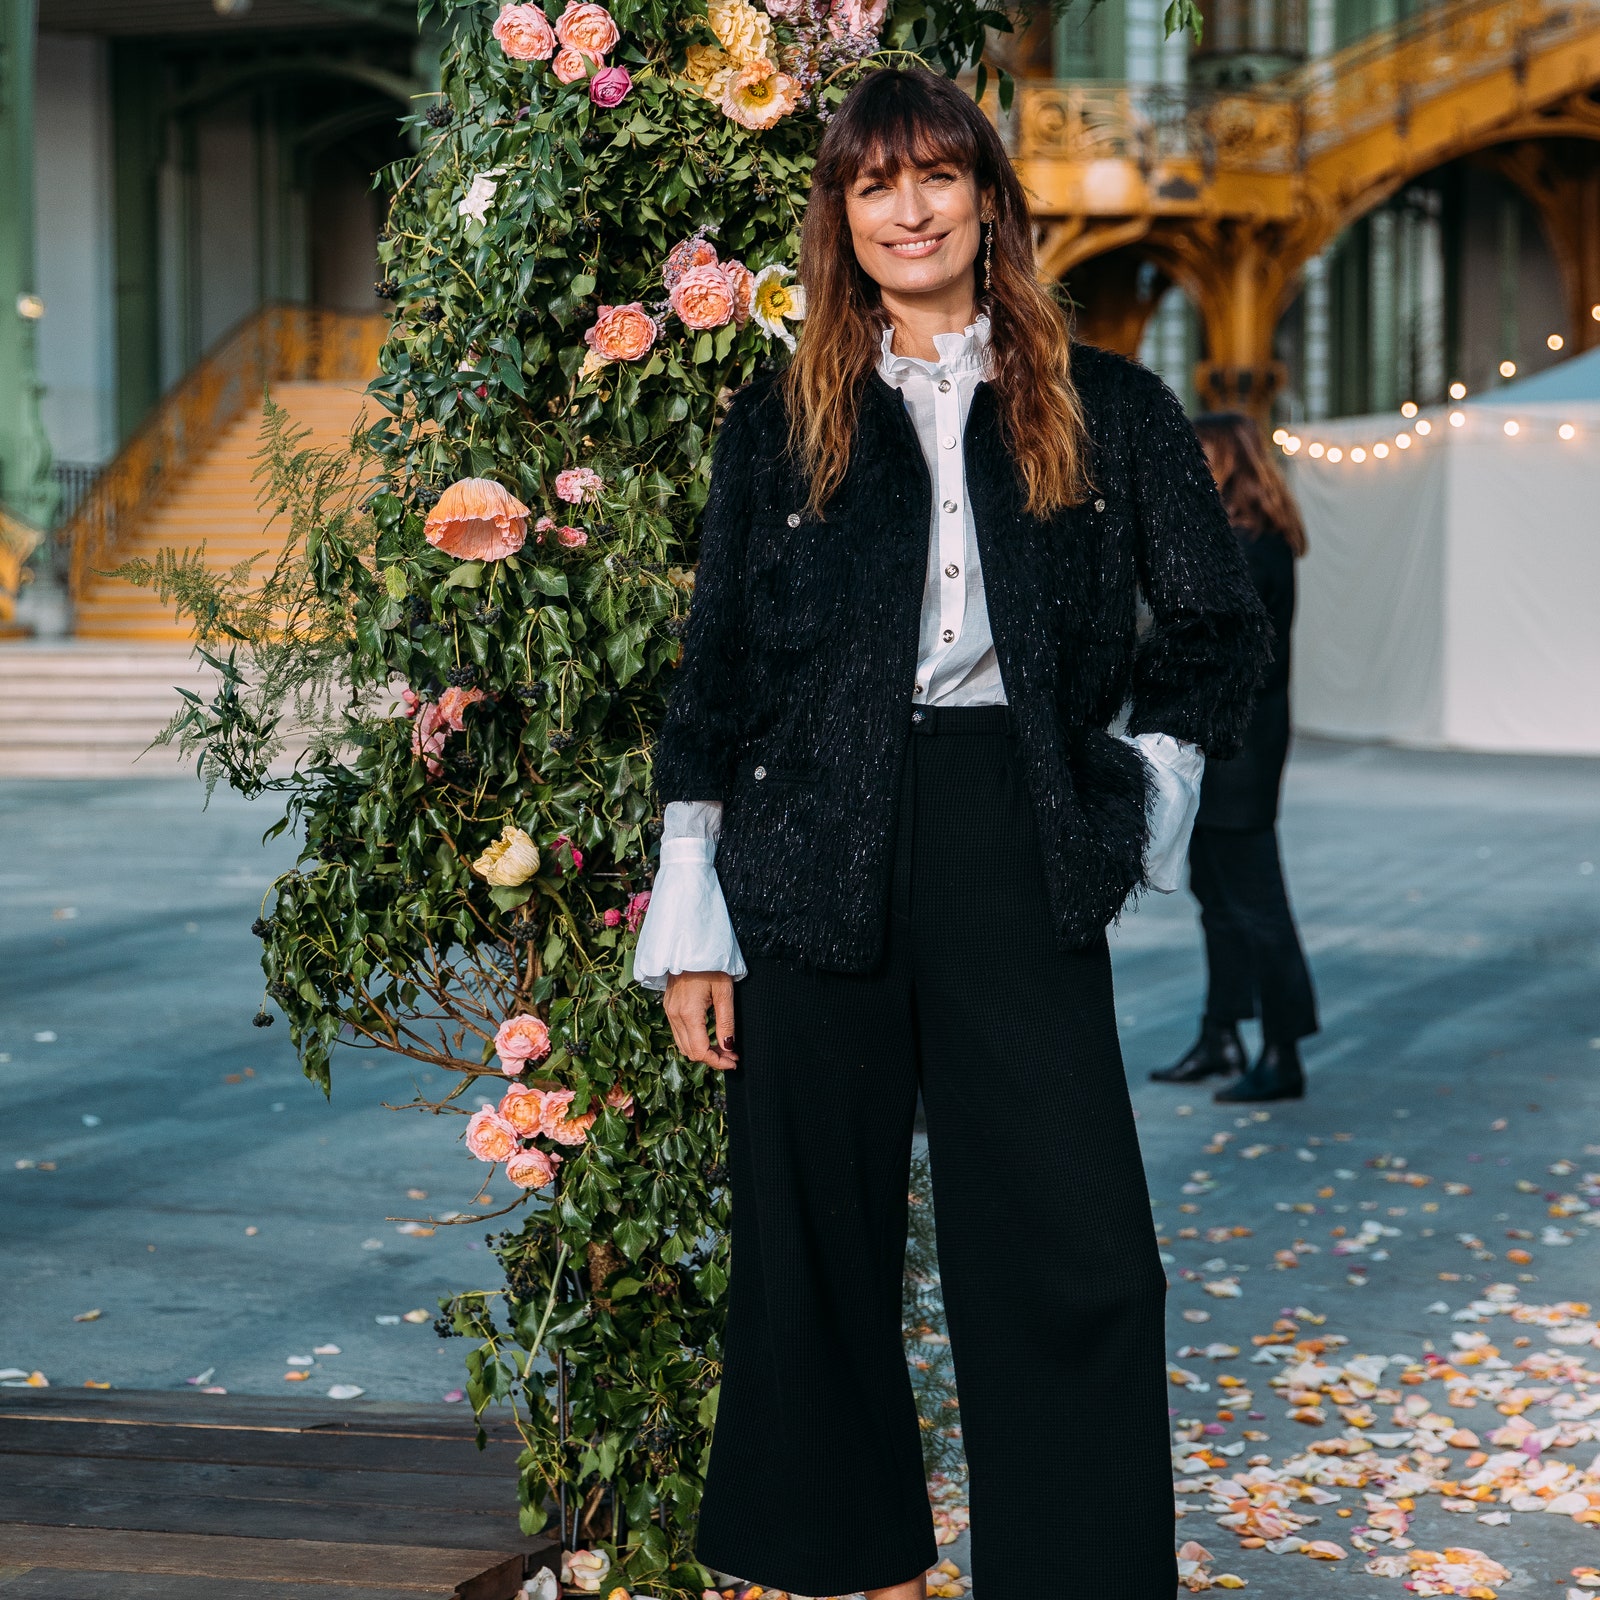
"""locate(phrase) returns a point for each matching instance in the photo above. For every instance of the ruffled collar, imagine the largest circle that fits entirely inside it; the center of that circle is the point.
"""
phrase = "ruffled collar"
(966, 351)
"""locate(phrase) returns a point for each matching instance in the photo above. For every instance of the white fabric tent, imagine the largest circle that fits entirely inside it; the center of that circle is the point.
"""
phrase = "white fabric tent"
(1451, 594)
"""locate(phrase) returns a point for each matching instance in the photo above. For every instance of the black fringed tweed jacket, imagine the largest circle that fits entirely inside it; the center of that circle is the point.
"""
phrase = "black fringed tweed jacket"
(802, 641)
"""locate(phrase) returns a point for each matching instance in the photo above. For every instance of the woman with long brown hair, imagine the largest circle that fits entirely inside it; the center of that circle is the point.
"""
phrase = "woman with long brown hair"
(1255, 965)
(896, 827)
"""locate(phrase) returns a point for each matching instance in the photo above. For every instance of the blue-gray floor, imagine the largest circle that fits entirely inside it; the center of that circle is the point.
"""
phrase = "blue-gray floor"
(1450, 905)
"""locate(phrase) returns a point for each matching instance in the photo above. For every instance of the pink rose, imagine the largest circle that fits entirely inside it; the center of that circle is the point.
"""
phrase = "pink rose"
(851, 16)
(587, 28)
(556, 1121)
(577, 484)
(428, 732)
(703, 297)
(572, 538)
(525, 33)
(489, 1136)
(612, 917)
(544, 524)
(562, 842)
(637, 907)
(621, 333)
(532, 1169)
(609, 87)
(619, 1100)
(569, 65)
(410, 699)
(523, 1107)
(682, 258)
(744, 289)
(519, 1040)
(783, 9)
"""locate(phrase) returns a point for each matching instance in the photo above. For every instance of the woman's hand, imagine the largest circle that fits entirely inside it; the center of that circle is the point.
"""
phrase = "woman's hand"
(689, 996)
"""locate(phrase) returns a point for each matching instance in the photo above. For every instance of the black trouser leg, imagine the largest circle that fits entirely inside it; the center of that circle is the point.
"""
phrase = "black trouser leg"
(1253, 952)
(1230, 964)
(1052, 1283)
(816, 1482)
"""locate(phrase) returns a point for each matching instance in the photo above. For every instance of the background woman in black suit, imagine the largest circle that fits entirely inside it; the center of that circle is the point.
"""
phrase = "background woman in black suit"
(1253, 954)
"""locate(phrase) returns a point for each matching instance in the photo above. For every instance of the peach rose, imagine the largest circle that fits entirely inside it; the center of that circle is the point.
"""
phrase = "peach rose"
(519, 1040)
(621, 333)
(523, 1107)
(577, 484)
(572, 538)
(556, 1123)
(587, 28)
(453, 705)
(477, 520)
(525, 33)
(569, 65)
(489, 1136)
(619, 1100)
(703, 298)
(685, 257)
(744, 288)
(532, 1169)
(756, 97)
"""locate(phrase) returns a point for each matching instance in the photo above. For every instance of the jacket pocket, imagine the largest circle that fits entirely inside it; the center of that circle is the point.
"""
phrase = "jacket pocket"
(794, 593)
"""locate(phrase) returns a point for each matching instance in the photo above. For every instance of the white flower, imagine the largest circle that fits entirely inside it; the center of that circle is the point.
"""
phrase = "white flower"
(511, 860)
(475, 203)
(773, 301)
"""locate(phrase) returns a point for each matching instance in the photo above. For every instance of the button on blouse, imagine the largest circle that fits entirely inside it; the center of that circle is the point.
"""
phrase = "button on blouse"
(956, 662)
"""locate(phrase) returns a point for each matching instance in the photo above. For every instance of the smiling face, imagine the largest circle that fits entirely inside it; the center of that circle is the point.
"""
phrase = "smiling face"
(916, 231)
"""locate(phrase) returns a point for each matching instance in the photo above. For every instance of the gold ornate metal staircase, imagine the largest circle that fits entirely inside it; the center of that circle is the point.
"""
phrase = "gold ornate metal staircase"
(186, 477)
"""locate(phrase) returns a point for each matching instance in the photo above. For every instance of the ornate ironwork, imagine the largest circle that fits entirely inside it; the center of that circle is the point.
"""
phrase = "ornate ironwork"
(1280, 126)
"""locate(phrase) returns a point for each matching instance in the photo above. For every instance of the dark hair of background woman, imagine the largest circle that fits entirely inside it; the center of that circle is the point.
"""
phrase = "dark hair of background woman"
(1252, 489)
(896, 118)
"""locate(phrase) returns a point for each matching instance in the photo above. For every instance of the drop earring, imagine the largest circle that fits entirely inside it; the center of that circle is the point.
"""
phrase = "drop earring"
(988, 263)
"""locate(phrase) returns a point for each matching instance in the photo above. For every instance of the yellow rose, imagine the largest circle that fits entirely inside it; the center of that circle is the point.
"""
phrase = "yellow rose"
(510, 860)
(705, 61)
(741, 30)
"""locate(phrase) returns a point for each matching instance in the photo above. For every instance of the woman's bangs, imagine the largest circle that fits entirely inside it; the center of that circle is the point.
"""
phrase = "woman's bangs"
(906, 140)
(891, 135)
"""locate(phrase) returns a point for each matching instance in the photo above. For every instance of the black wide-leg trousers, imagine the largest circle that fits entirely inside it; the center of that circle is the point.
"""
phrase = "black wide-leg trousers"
(1254, 962)
(1052, 1281)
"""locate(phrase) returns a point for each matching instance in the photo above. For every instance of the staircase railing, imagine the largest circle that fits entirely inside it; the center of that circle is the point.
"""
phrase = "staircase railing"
(278, 344)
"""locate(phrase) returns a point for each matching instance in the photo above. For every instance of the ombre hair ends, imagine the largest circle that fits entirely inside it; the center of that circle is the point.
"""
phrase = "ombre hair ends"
(892, 119)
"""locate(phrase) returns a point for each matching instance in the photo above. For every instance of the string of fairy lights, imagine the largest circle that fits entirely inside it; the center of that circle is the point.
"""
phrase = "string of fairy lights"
(1419, 427)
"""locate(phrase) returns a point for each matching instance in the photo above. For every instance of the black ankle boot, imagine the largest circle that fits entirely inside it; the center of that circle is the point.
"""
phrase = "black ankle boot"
(1216, 1051)
(1278, 1075)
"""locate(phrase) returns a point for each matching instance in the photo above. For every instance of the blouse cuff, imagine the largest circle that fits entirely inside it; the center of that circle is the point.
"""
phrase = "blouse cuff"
(1175, 771)
(686, 925)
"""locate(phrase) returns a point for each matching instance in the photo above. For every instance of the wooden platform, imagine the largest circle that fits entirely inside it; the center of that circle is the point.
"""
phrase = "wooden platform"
(179, 1496)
